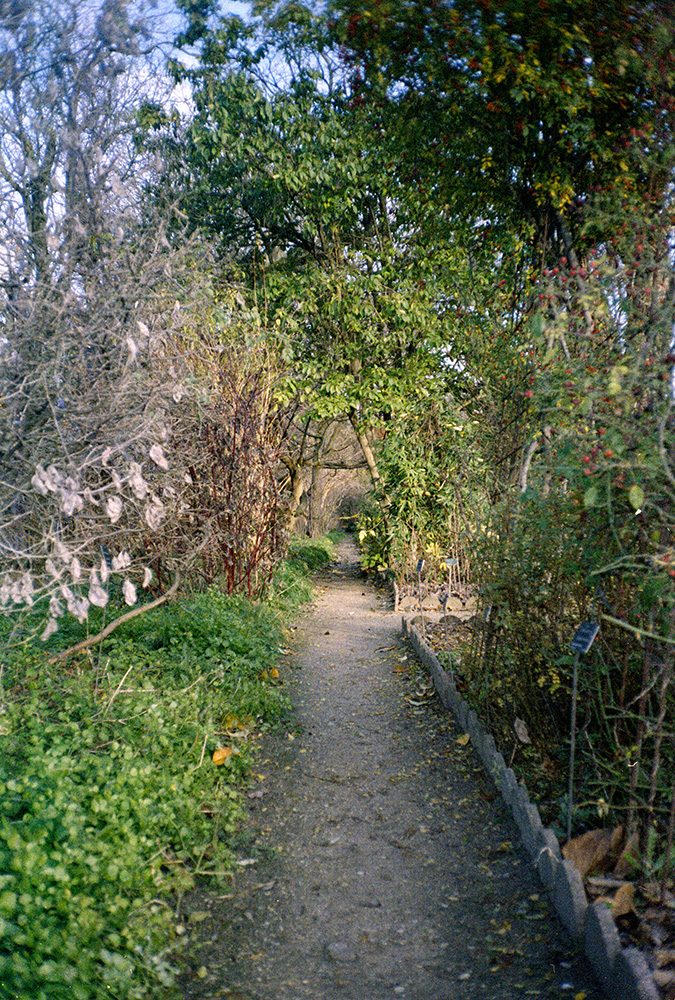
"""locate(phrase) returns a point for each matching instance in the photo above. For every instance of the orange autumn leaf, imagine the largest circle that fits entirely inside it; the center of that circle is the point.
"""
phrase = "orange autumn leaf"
(221, 755)
(595, 850)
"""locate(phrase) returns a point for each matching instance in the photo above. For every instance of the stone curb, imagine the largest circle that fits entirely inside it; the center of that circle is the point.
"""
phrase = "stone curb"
(622, 972)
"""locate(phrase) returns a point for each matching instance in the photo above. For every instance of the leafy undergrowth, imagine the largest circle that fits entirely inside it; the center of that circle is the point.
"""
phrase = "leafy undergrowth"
(119, 780)
(539, 762)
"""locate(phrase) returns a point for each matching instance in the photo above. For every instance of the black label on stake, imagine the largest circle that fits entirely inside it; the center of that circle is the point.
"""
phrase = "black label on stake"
(584, 637)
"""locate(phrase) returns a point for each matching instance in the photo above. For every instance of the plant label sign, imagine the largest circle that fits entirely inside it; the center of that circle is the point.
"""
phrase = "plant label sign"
(420, 566)
(584, 637)
(451, 562)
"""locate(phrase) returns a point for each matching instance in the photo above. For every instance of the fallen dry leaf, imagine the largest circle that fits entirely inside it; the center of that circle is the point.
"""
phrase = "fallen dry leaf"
(594, 851)
(602, 883)
(521, 731)
(664, 978)
(463, 739)
(622, 904)
(221, 755)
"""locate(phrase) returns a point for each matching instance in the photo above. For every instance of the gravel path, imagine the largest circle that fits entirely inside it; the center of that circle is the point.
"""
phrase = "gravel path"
(378, 860)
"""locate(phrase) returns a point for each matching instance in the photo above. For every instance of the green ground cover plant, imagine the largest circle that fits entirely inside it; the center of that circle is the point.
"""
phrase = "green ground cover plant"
(120, 775)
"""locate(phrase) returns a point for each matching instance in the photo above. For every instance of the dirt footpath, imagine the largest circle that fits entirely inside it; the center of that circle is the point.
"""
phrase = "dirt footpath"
(378, 861)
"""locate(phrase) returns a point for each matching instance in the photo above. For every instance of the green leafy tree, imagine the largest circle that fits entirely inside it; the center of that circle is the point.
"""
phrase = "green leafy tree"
(516, 115)
(285, 166)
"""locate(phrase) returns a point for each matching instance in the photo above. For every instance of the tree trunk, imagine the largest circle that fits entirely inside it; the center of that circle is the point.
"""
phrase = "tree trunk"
(371, 462)
(297, 491)
(367, 450)
(315, 513)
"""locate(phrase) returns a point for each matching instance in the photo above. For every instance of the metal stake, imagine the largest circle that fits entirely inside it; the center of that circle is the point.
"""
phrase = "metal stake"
(581, 643)
(420, 567)
(573, 743)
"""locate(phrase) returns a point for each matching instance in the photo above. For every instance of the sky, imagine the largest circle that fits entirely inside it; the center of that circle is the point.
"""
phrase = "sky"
(168, 19)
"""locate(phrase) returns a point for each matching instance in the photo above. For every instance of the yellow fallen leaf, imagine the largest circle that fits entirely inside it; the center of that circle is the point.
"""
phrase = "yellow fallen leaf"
(221, 755)
(581, 995)
(274, 673)
(463, 739)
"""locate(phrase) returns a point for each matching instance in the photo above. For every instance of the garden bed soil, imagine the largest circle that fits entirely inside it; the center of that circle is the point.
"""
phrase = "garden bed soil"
(644, 915)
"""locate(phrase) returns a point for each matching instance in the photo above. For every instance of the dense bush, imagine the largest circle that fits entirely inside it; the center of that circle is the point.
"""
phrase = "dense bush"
(585, 531)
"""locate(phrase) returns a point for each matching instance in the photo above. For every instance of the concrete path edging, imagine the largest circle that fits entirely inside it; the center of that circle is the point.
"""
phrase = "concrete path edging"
(622, 972)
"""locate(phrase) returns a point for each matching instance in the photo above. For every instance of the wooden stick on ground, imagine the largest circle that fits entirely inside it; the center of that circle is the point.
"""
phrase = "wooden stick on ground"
(104, 633)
